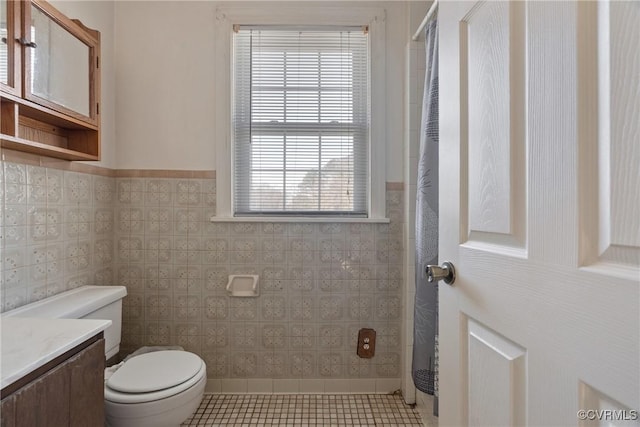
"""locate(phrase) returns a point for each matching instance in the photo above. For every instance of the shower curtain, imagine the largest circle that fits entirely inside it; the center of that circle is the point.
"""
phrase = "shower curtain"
(425, 328)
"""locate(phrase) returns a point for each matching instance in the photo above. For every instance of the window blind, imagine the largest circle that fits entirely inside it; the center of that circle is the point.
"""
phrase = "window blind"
(301, 121)
(4, 50)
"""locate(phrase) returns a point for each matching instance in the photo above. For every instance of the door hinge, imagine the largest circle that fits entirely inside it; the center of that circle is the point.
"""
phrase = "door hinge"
(97, 108)
(97, 62)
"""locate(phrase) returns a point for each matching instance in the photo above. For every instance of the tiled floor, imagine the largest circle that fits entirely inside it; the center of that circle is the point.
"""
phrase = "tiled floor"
(301, 410)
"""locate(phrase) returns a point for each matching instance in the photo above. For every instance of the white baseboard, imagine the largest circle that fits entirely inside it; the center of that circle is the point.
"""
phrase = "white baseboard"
(303, 386)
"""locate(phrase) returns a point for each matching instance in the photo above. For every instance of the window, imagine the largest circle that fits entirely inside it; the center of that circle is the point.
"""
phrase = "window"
(369, 204)
(4, 51)
(300, 121)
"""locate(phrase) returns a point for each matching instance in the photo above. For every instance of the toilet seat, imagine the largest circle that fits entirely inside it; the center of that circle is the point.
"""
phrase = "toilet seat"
(154, 376)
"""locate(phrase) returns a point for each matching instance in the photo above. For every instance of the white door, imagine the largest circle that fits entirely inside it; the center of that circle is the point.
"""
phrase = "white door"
(540, 212)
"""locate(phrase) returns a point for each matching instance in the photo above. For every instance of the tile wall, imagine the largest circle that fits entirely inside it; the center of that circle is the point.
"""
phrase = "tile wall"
(319, 282)
(56, 230)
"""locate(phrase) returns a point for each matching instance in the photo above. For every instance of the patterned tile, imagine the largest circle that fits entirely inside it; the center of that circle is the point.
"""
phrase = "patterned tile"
(303, 336)
(130, 191)
(77, 188)
(159, 333)
(76, 281)
(388, 364)
(104, 221)
(331, 336)
(158, 277)
(104, 277)
(245, 365)
(244, 309)
(330, 365)
(216, 336)
(130, 276)
(188, 192)
(319, 283)
(78, 223)
(244, 336)
(104, 190)
(216, 308)
(302, 365)
(217, 364)
(274, 336)
(159, 192)
(15, 183)
(45, 224)
(158, 249)
(302, 279)
(272, 279)
(158, 307)
(302, 308)
(130, 220)
(358, 367)
(274, 308)
(187, 221)
(46, 262)
(78, 256)
(158, 221)
(130, 249)
(274, 365)
(187, 307)
(331, 308)
(388, 307)
(215, 279)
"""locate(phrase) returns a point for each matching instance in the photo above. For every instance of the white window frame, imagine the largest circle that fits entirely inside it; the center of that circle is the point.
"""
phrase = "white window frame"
(226, 18)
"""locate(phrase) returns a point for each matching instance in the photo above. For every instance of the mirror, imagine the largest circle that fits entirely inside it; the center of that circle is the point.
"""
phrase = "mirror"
(59, 64)
(4, 37)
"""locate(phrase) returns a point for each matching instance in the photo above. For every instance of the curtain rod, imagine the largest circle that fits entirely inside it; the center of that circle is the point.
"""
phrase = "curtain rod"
(432, 9)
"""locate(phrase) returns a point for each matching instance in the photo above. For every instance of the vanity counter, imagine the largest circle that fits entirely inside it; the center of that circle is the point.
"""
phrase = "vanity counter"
(30, 343)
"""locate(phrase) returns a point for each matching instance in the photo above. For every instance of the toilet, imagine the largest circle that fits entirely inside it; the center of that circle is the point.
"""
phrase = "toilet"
(157, 388)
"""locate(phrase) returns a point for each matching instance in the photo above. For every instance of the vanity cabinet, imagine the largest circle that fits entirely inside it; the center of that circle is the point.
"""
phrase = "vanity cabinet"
(49, 82)
(70, 391)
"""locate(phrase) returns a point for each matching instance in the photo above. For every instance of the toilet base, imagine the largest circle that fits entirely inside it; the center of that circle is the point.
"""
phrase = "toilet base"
(169, 412)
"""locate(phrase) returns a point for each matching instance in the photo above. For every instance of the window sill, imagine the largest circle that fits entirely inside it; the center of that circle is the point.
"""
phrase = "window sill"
(304, 219)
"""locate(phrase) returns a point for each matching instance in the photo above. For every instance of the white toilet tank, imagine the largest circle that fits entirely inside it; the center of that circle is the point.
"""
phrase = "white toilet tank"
(86, 302)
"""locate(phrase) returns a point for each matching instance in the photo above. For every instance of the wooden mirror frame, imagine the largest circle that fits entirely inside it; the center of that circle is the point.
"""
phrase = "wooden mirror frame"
(90, 38)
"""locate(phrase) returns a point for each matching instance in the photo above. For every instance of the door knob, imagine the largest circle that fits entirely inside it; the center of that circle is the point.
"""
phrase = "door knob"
(447, 273)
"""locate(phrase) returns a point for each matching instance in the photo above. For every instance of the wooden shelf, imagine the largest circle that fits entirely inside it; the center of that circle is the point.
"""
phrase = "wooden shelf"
(21, 144)
(31, 109)
(35, 129)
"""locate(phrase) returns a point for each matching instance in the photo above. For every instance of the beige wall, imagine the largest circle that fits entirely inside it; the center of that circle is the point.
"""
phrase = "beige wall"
(165, 92)
(157, 67)
(165, 97)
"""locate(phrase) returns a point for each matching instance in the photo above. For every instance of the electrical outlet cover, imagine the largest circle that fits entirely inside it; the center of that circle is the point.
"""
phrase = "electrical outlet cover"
(366, 343)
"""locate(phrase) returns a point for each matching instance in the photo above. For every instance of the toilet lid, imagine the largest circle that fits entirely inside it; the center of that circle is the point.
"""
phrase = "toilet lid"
(155, 371)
